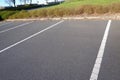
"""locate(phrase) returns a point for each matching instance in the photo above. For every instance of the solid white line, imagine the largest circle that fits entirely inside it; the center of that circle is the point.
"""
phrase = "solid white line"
(97, 65)
(15, 27)
(31, 36)
(5, 23)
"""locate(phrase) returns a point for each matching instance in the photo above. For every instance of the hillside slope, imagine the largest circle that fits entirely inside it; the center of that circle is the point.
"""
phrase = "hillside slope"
(72, 8)
(76, 3)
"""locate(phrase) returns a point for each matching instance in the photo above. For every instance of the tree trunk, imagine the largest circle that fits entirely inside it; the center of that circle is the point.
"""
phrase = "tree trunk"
(14, 3)
(30, 1)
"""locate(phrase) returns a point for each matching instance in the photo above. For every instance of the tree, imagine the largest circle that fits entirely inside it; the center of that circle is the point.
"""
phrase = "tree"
(30, 1)
(11, 2)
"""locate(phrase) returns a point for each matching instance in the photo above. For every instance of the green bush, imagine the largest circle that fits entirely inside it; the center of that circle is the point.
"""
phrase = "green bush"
(1, 18)
(6, 14)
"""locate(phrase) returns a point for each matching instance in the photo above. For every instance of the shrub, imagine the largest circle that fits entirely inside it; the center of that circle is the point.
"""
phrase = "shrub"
(1, 18)
(6, 14)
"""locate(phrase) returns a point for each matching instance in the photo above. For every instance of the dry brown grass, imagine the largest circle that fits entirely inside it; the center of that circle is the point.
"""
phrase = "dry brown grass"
(114, 8)
(88, 9)
(61, 11)
(101, 9)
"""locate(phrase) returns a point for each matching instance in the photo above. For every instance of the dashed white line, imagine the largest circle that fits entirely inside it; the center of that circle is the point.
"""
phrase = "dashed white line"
(97, 65)
(15, 27)
(31, 36)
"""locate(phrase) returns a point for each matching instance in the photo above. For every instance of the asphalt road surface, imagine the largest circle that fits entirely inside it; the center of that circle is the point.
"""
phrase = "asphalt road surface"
(60, 50)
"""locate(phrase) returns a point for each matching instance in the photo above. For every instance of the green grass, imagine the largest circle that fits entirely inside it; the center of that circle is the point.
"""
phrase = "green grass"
(77, 3)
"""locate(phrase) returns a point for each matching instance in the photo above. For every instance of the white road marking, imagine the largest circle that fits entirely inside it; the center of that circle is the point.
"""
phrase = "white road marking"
(15, 27)
(97, 65)
(5, 23)
(31, 36)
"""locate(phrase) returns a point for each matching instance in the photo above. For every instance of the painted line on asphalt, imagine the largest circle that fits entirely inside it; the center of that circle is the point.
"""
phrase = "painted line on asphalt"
(97, 65)
(15, 27)
(31, 36)
(5, 23)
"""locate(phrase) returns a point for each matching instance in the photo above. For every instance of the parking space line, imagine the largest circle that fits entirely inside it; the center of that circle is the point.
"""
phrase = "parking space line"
(31, 36)
(97, 65)
(15, 27)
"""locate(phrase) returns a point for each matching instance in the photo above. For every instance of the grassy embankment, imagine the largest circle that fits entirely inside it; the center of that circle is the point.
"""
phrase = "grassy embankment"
(72, 8)
(5, 13)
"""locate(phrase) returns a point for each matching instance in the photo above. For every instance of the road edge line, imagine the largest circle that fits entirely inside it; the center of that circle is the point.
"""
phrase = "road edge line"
(97, 65)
